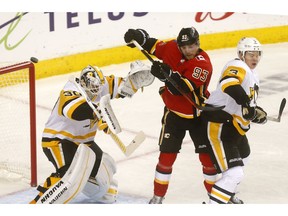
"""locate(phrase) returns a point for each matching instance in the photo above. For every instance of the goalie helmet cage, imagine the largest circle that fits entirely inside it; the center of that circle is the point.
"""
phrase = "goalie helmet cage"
(17, 93)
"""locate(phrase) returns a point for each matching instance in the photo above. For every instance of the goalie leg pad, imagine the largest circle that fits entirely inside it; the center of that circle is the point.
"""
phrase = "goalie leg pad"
(50, 181)
(103, 187)
(111, 194)
(73, 181)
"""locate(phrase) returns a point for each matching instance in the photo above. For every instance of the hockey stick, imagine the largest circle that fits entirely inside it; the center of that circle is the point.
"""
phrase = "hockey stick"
(281, 108)
(191, 101)
(134, 144)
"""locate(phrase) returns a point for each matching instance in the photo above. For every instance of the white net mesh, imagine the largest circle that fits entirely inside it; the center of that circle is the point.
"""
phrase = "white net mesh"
(15, 125)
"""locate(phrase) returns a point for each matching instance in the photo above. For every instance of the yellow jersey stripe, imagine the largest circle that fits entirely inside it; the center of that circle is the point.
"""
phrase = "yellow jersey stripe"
(69, 135)
(74, 107)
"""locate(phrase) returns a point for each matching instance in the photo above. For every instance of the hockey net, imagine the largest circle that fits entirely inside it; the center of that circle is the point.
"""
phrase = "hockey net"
(18, 123)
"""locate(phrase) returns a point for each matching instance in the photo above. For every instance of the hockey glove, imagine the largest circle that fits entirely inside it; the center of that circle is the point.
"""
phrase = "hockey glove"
(158, 68)
(261, 116)
(139, 35)
(248, 112)
(184, 84)
(102, 125)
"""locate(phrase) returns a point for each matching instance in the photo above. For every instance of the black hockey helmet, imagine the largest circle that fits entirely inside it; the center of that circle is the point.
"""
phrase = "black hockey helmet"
(188, 36)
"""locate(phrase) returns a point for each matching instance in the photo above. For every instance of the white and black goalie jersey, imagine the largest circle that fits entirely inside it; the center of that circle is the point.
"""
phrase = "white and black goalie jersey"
(72, 118)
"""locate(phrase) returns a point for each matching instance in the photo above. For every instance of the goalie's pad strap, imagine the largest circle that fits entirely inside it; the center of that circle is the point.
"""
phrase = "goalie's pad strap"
(41, 189)
(74, 180)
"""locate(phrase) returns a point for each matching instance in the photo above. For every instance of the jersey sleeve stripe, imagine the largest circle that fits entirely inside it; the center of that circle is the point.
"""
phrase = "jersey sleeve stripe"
(228, 82)
(70, 107)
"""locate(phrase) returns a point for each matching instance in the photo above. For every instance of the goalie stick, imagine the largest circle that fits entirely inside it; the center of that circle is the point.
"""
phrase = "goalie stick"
(281, 108)
(134, 144)
(204, 108)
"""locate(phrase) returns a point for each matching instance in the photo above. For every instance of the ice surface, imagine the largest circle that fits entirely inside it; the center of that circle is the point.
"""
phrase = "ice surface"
(266, 174)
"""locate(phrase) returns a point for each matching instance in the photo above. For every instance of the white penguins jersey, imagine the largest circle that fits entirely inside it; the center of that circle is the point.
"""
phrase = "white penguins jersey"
(235, 72)
(72, 118)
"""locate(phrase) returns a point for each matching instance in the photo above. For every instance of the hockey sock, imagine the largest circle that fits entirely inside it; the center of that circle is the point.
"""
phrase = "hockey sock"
(163, 173)
(219, 195)
(209, 171)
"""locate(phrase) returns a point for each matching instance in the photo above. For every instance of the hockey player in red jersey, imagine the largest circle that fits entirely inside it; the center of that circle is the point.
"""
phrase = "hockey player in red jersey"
(190, 67)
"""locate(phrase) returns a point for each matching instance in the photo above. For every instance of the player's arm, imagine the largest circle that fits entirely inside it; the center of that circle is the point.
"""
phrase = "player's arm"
(72, 105)
(238, 94)
(230, 83)
(185, 84)
(113, 85)
(255, 114)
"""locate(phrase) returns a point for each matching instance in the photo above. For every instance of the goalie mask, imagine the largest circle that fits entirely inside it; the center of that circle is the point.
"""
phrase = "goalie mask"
(92, 81)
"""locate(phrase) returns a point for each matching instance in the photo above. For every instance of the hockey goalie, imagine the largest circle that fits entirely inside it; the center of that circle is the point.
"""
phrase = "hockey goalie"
(68, 138)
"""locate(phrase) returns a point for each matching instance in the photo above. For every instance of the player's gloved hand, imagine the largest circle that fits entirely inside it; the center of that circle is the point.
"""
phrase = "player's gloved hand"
(248, 112)
(158, 68)
(261, 116)
(138, 35)
(102, 125)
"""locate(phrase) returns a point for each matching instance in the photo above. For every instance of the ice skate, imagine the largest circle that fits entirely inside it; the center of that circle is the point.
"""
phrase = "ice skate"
(156, 200)
(235, 200)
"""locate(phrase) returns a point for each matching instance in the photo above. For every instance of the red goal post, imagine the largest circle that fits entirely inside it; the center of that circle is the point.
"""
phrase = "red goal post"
(13, 80)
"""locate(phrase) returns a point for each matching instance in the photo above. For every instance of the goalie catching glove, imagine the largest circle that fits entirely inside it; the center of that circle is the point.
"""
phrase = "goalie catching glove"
(138, 77)
(254, 114)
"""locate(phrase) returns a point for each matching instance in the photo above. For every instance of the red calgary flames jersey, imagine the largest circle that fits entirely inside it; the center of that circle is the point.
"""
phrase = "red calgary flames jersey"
(198, 70)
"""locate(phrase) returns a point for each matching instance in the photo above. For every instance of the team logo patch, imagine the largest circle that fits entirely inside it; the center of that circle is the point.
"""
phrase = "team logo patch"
(200, 58)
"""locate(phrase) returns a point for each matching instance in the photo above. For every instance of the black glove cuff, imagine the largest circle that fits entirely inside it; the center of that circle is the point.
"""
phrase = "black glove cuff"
(145, 36)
